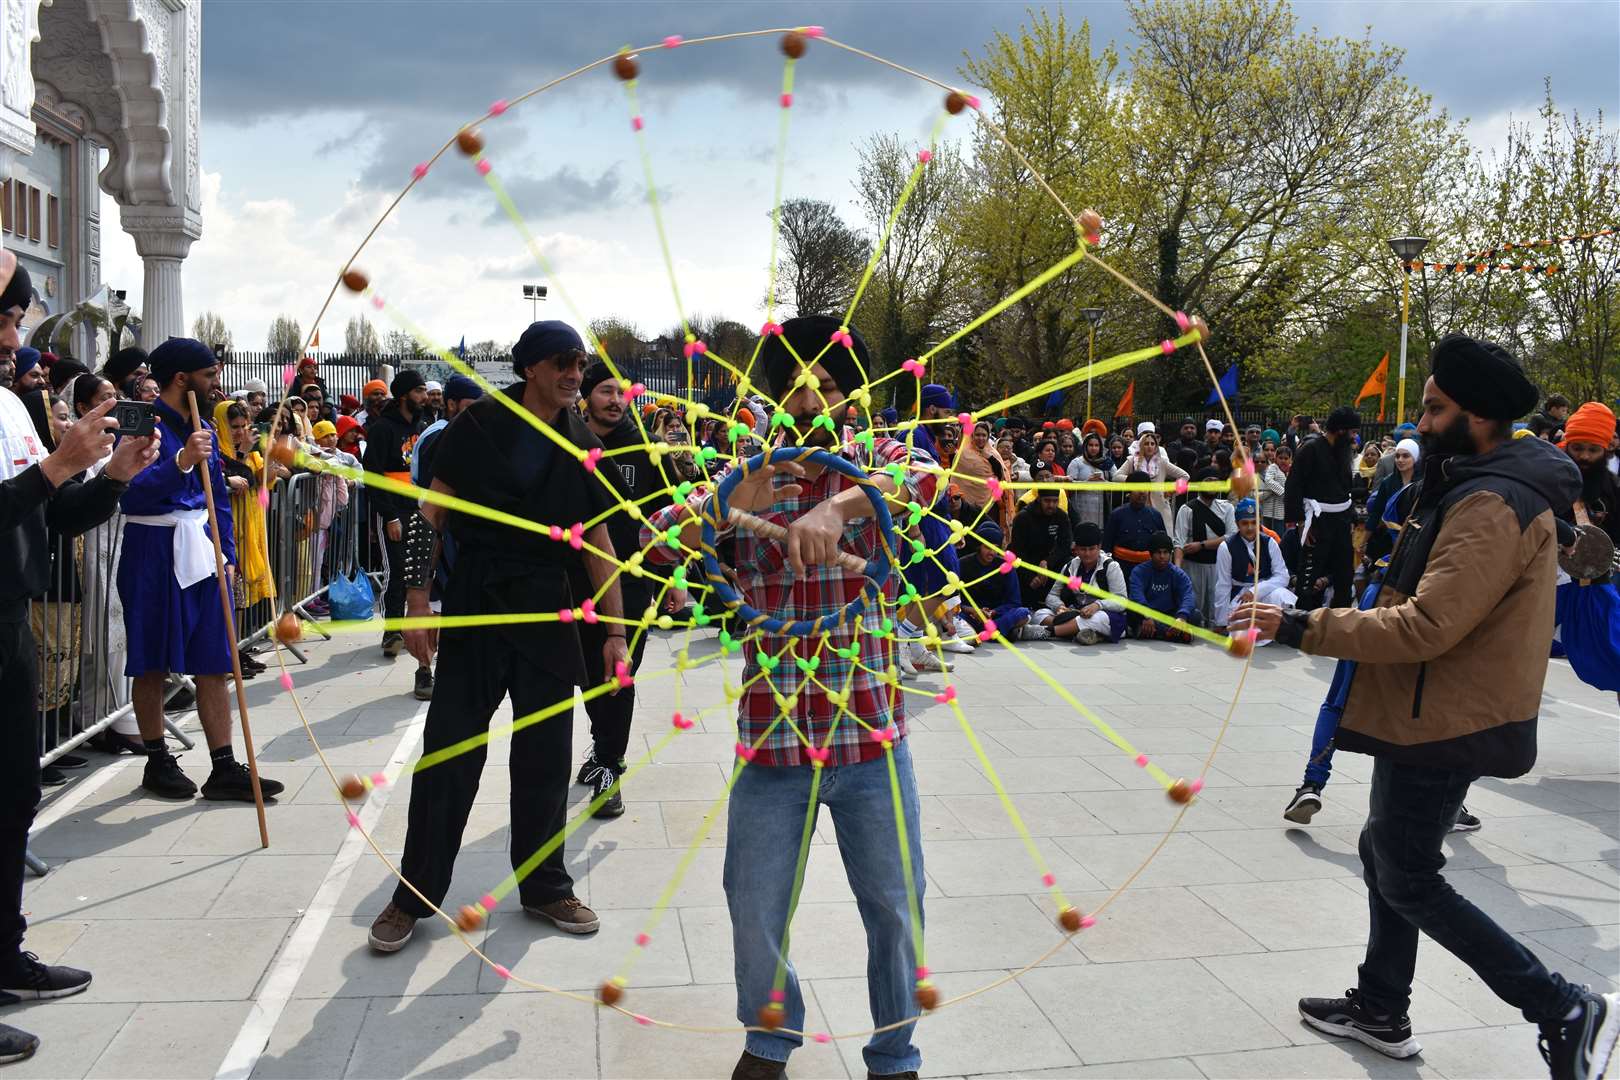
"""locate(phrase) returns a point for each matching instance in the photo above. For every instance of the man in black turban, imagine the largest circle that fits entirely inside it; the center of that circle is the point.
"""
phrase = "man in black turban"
(804, 350)
(1481, 387)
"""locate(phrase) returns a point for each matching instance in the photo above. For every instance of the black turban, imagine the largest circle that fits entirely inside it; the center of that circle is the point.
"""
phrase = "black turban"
(1087, 534)
(1344, 418)
(407, 380)
(1482, 377)
(179, 354)
(809, 335)
(594, 376)
(123, 364)
(1160, 541)
(543, 339)
(19, 291)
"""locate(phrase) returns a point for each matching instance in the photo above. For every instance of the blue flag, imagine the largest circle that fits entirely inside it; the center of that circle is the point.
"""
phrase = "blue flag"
(1054, 401)
(461, 350)
(1229, 386)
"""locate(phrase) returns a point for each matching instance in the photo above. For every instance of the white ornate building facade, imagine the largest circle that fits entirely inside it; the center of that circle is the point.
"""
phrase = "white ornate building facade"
(101, 93)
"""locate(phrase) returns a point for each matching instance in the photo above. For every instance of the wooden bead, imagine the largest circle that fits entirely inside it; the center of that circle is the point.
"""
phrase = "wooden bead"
(609, 993)
(1090, 223)
(927, 996)
(955, 102)
(794, 44)
(469, 918)
(284, 451)
(1240, 645)
(352, 786)
(355, 280)
(288, 628)
(626, 66)
(1197, 323)
(1242, 482)
(1069, 919)
(771, 1016)
(470, 141)
(1180, 792)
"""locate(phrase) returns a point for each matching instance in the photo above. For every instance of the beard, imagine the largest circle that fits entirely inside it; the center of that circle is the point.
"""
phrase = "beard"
(1450, 440)
(820, 437)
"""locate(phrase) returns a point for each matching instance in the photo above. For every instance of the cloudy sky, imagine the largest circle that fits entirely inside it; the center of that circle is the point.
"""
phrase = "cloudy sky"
(314, 113)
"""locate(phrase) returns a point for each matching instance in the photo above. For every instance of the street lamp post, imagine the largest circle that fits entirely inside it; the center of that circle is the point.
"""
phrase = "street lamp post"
(1407, 249)
(1093, 315)
(534, 294)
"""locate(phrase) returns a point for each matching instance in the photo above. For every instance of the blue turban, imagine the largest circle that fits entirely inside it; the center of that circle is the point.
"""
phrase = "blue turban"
(461, 388)
(177, 355)
(27, 360)
(989, 532)
(1403, 430)
(937, 396)
(542, 339)
(1245, 508)
(890, 416)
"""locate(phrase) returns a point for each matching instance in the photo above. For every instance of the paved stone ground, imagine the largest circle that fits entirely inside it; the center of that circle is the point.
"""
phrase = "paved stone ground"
(200, 941)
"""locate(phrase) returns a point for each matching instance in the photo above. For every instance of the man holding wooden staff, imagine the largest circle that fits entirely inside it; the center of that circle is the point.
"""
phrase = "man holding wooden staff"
(167, 581)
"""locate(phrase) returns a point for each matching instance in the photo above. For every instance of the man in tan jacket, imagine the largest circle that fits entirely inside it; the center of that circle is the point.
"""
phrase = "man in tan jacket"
(1451, 658)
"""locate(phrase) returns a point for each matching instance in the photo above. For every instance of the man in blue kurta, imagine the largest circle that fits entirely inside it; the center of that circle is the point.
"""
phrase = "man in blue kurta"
(166, 579)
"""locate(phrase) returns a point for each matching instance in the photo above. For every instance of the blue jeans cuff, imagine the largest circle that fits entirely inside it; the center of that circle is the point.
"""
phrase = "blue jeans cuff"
(771, 1047)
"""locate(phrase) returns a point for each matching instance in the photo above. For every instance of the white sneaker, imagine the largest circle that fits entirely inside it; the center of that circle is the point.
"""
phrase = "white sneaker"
(958, 645)
(962, 629)
(1088, 636)
(1032, 632)
(925, 661)
(902, 660)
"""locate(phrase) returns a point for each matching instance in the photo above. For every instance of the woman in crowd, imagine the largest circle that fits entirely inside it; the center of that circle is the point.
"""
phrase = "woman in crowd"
(1150, 458)
(1380, 531)
(1016, 467)
(243, 466)
(1272, 482)
(1117, 453)
(1091, 464)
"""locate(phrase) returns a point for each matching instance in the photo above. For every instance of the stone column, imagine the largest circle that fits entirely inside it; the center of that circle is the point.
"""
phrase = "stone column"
(162, 249)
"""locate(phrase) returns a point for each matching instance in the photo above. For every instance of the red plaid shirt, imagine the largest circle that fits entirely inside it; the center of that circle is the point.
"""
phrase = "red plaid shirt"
(770, 586)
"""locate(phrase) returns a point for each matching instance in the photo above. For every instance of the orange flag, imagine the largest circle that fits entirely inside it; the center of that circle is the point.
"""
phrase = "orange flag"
(1127, 404)
(1377, 384)
(315, 342)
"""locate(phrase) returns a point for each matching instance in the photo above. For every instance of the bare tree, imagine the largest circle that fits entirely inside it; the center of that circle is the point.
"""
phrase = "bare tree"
(210, 329)
(822, 258)
(286, 338)
(360, 337)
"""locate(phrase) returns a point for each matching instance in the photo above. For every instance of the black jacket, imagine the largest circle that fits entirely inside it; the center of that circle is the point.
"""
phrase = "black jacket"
(390, 441)
(1318, 473)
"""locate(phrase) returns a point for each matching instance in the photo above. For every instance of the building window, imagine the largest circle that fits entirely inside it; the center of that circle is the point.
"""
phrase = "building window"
(21, 218)
(33, 214)
(53, 229)
(5, 206)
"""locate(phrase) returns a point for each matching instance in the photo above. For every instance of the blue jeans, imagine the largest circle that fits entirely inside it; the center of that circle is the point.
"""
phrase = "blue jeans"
(765, 826)
(1411, 811)
(1320, 765)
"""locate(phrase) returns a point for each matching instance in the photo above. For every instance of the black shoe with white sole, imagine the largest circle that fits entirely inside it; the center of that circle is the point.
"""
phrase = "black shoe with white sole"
(1348, 1018)
(31, 980)
(587, 771)
(1303, 806)
(16, 1044)
(1465, 822)
(1580, 1049)
(603, 787)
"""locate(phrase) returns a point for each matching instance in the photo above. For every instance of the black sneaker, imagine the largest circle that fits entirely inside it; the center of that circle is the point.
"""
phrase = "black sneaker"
(392, 644)
(424, 684)
(1465, 822)
(587, 771)
(1348, 1018)
(1303, 806)
(31, 980)
(16, 1044)
(1580, 1049)
(51, 776)
(165, 779)
(71, 761)
(233, 783)
(603, 784)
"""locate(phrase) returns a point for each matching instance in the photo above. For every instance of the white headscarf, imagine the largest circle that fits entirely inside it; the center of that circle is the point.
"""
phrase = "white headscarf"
(1411, 447)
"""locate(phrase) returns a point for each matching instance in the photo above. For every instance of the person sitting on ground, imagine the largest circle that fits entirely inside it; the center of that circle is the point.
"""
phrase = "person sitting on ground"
(1084, 616)
(1164, 587)
(1235, 566)
(1041, 537)
(992, 595)
(1131, 526)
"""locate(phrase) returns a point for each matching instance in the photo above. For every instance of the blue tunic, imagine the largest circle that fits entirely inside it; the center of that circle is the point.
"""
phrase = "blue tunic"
(170, 628)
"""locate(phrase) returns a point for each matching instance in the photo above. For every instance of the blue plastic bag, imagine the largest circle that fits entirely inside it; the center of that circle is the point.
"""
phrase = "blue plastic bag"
(351, 598)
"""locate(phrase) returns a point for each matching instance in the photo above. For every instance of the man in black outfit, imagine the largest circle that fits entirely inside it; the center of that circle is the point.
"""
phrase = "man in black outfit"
(390, 440)
(1042, 537)
(496, 457)
(1317, 498)
(607, 415)
(37, 485)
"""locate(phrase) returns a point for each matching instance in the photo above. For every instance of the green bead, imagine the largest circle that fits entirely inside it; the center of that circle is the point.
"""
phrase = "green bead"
(708, 453)
(823, 421)
(673, 537)
(700, 616)
(683, 489)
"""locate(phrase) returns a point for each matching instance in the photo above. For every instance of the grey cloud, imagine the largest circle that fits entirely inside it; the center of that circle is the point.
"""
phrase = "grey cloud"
(564, 191)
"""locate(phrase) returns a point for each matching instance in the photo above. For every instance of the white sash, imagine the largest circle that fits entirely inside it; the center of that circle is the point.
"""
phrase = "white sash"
(193, 551)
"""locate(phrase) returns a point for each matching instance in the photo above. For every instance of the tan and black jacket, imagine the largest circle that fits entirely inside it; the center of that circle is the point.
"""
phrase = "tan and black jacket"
(1453, 653)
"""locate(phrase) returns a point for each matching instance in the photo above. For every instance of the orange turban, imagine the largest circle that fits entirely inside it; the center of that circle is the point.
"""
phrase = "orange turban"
(1593, 422)
(1096, 427)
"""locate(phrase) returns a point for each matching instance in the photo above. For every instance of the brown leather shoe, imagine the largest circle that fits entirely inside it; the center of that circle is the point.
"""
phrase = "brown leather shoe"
(568, 914)
(750, 1067)
(392, 929)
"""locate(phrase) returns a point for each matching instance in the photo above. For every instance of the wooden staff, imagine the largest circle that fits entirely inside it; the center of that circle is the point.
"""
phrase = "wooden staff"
(225, 605)
(847, 559)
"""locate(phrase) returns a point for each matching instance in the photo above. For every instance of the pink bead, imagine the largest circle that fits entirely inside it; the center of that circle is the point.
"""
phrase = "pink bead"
(642, 940)
(966, 420)
(644, 1021)
(264, 497)
(994, 487)
(1075, 583)
(379, 779)
(419, 170)
(915, 367)
(1196, 786)
(636, 390)
(576, 536)
(1049, 879)
(354, 822)
(498, 107)
(621, 672)
(592, 456)
(483, 166)
(812, 31)
(925, 156)
(286, 681)
(1087, 921)
(946, 696)
(1141, 761)
(778, 996)
(1008, 561)
(636, 123)
(287, 375)
(682, 723)
(556, 532)
(700, 347)
(1254, 633)
(1182, 322)
(787, 101)
(1167, 346)
(745, 752)
(673, 41)
(587, 610)
(566, 615)
(687, 349)
(1181, 486)
(489, 901)
(501, 970)
(973, 102)
(922, 972)
(823, 1037)
(378, 302)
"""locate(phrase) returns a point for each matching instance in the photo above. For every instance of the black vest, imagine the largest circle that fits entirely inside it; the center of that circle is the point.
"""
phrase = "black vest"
(1206, 525)
(1243, 565)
